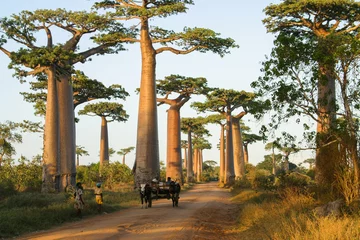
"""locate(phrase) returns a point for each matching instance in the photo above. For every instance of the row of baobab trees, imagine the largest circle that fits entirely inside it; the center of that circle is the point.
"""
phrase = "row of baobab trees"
(53, 64)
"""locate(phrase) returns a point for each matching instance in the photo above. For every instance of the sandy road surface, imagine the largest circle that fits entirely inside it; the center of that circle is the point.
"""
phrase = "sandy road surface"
(204, 212)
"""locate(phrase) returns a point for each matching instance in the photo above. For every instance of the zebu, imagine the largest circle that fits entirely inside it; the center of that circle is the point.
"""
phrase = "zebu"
(174, 190)
(145, 195)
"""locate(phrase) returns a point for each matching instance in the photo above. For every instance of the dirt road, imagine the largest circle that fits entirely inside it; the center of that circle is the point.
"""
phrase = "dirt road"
(204, 212)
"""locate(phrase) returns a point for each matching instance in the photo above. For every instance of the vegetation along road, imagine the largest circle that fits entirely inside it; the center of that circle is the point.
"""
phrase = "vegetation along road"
(204, 212)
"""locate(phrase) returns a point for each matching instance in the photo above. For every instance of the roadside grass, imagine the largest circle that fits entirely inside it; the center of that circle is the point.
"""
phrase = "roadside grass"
(289, 215)
(28, 212)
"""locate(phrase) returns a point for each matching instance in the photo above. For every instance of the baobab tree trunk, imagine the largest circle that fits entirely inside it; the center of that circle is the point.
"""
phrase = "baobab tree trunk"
(173, 159)
(246, 154)
(189, 170)
(222, 154)
(229, 165)
(123, 159)
(66, 132)
(185, 158)
(104, 143)
(200, 165)
(147, 146)
(51, 154)
(239, 162)
(196, 163)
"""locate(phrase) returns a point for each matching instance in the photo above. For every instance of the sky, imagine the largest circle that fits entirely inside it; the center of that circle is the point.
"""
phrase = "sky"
(240, 20)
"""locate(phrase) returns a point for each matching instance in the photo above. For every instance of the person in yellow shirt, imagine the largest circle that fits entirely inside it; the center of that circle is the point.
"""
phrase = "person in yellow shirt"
(98, 197)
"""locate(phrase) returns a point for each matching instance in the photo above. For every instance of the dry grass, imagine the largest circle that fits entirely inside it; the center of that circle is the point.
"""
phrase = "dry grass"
(289, 215)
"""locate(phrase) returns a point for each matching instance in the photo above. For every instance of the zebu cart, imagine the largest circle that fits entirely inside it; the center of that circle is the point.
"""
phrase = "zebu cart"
(160, 190)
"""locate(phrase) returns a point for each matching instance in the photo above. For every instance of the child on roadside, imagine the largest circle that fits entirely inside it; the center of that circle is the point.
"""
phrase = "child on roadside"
(79, 202)
(98, 197)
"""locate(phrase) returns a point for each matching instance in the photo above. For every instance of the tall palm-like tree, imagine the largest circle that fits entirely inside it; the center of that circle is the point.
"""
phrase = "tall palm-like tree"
(190, 40)
(183, 87)
(108, 112)
(124, 151)
(80, 151)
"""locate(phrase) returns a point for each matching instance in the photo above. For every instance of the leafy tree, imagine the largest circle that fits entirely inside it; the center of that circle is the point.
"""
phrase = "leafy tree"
(80, 151)
(200, 143)
(210, 170)
(220, 120)
(8, 136)
(84, 90)
(108, 112)
(249, 138)
(190, 40)
(124, 151)
(268, 163)
(225, 101)
(310, 161)
(310, 37)
(55, 61)
(188, 126)
(183, 87)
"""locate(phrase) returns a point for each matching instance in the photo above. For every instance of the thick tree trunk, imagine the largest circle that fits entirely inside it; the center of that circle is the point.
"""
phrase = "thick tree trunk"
(67, 132)
(229, 161)
(222, 154)
(185, 158)
(200, 165)
(239, 162)
(104, 143)
(51, 154)
(196, 163)
(327, 154)
(189, 169)
(246, 154)
(173, 159)
(147, 146)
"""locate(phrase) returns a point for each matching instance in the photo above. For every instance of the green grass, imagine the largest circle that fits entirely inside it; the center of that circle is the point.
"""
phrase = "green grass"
(28, 212)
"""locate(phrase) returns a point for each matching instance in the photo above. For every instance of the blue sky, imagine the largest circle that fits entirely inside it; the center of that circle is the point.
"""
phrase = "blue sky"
(240, 20)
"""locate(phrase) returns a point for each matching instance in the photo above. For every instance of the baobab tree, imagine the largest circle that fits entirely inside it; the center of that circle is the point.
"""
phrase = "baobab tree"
(124, 151)
(189, 40)
(55, 61)
(310, 40)
(225, 101)
(85, 90)
(183, 88)
(248, 138)
(80, 151)
(184, 145)
(108, 112)
(220, 119)
(188, 126)
(200, 143)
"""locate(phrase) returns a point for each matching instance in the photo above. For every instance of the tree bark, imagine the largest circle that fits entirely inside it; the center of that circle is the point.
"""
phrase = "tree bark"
(123, 159)
(104, 143)
(67, 132)
(222, 154)
(229, 161)
(239, 162)
(327, 154)
(185, 158)
(246, 154)
(51, 154)
(190, 172)
(147, 146)
(173, 159)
